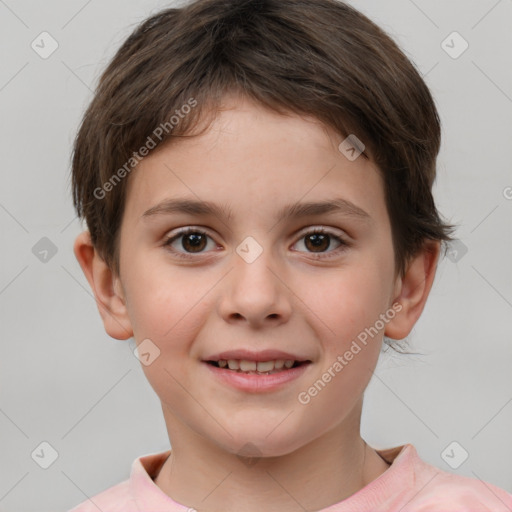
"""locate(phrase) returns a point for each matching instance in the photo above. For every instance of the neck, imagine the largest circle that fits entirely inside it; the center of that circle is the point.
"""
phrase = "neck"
(202, 475)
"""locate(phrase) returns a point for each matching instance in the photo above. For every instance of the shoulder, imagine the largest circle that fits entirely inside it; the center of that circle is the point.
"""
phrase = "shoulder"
(453, 493)
(436, 490)
(137, 492)
(113, 499)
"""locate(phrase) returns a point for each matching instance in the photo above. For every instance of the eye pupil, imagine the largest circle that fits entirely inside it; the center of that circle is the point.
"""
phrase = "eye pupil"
(318, 239)
(195, 241)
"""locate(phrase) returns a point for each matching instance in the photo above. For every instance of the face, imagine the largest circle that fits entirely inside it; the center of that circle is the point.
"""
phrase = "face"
(247, 277)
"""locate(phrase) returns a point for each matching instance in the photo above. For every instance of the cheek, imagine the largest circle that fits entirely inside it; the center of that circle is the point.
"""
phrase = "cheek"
(350, 329)
(347, 313)
(352, 301)
(164, 300)
(167, 306)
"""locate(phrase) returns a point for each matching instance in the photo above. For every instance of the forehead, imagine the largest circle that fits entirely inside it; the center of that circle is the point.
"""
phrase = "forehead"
(252, 159)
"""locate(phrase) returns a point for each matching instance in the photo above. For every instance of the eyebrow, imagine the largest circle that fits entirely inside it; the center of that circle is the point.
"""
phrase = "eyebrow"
(194, 207)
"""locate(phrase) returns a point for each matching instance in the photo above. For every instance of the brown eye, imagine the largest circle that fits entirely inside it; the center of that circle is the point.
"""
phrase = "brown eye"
(193, 242)
(188, 242)
(319, 240)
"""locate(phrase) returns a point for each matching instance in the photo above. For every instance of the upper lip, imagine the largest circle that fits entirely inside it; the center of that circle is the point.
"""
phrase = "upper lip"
(248, 355)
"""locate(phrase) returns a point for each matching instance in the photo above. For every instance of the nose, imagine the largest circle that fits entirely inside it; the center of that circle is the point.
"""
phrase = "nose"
(256, 292)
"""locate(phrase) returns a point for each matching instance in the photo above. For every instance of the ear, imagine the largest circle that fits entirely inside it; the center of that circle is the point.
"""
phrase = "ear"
(412, 290)
(106, 287)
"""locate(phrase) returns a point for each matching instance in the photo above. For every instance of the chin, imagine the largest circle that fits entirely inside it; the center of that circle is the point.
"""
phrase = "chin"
(250, 444)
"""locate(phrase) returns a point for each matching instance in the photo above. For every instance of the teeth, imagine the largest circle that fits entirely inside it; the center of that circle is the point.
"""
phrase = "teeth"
(247, 366)
(253, 366)
(262, 366)
(233, 364)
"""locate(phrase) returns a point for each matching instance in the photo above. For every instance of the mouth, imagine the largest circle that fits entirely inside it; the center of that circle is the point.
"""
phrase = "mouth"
(249, 367)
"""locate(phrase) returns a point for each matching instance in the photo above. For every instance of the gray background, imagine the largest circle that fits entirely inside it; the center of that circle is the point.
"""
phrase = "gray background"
(64, 381)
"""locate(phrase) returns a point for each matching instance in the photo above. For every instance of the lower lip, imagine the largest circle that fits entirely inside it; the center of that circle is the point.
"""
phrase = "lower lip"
(257, 383)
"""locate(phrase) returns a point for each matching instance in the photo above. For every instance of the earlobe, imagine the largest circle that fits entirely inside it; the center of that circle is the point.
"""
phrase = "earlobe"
(106, 288)
(413, 290)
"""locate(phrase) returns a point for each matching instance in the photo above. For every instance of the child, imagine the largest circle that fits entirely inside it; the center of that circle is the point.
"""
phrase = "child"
(256, 178)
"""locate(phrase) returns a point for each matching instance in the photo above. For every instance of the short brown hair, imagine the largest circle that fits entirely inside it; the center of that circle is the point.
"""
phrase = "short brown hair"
(320, 58)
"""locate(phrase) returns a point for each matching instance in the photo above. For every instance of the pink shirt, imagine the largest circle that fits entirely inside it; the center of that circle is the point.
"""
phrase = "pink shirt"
(408, 485)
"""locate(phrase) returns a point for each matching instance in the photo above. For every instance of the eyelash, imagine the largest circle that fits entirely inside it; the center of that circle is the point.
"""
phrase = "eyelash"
(316, 231)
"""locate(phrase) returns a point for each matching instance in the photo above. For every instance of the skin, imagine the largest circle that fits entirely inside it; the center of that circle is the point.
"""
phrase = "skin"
(255, 162)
